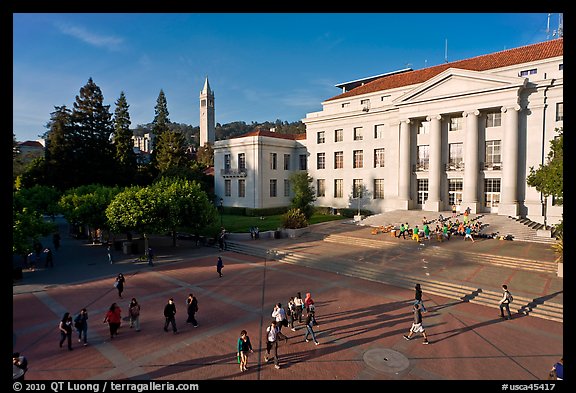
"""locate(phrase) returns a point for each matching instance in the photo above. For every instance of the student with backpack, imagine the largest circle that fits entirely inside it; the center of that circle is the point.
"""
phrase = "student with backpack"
(505, 302)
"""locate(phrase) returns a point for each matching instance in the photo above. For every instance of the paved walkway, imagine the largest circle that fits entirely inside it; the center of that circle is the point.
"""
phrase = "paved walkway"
(360, 332)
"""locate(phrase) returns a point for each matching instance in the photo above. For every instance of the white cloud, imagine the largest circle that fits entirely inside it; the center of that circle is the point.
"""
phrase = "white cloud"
(101, 41)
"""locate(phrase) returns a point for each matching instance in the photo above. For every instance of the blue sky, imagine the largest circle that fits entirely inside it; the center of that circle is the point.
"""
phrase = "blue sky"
(262, 66)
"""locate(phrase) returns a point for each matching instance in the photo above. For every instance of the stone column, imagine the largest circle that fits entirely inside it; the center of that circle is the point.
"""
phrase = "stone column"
(404, 169)
(471, 167)
(509, 184)
(433, 202)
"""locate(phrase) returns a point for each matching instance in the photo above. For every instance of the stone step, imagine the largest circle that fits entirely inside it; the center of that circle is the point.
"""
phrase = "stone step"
(523, 305)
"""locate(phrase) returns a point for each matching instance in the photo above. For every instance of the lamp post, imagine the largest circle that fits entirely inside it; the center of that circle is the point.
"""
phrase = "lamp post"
(221, 208)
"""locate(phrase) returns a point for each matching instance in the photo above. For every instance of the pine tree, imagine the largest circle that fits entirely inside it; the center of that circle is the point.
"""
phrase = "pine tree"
(124, 153)
(171, 151)
(92, 136)
(159, 126)
(60, 150)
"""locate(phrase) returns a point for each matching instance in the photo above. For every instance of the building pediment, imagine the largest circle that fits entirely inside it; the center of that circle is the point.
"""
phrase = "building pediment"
(455, 82)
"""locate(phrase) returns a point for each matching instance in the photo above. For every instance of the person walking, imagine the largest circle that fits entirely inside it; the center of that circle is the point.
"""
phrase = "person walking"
(219, 266)
(119, 284)
(19, 367)
(134, 314)
(221, 239)
(417, 325)
(109, 253)
(150, 257)
(402, 231)
(244, 348)
(504, 303)
(291, 311)
(299, 303)
(310, 306)
(192, 309)
(310, 327)
(114, 318)
(273, 334)
(81, 325)
(418, 297)
(48, 258)
(65, 327)
(170, 315)
(279, 314)
(416, 234)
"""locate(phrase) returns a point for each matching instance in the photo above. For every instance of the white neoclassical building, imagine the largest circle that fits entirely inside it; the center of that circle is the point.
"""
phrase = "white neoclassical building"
(464, 133)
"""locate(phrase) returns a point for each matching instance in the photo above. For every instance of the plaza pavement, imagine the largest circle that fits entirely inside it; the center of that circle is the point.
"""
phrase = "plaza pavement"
(361, 321)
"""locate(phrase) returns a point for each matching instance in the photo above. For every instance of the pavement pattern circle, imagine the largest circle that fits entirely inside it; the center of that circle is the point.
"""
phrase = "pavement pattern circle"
(387, 360)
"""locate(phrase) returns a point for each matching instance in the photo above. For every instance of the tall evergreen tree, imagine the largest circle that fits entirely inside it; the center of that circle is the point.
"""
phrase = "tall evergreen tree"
(92, 136)
(171, 151)
(159, 126)
(124, 153)
(60, 150)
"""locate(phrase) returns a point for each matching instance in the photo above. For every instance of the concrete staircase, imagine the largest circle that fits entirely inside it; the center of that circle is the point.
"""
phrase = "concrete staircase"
(531, 307)
(521, 229)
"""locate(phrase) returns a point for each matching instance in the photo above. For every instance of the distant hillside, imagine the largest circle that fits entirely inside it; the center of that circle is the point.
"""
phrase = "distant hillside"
(227, 131)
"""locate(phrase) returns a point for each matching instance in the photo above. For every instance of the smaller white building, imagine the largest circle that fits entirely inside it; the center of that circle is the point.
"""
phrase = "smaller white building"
(253, 170)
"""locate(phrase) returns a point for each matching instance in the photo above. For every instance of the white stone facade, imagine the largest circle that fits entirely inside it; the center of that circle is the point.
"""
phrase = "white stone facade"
(465, 135)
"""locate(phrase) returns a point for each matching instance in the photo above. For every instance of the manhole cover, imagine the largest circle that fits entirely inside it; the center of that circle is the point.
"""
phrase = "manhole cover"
(387, 360)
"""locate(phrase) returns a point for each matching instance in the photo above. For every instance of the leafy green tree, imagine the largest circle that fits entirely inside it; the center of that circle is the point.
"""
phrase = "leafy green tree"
(549, 178)
(28, 226)
(124, 145)
(205, 155)
(39, 198)
(294, 219)
(86, 205)
(304, 195)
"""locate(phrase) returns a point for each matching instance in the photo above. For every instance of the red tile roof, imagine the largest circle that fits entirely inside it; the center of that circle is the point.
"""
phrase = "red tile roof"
(520, 55)
(273, 135)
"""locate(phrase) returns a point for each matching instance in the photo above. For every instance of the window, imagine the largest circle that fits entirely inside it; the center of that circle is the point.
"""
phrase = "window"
(456, 123)
(357, 188)
(338, 160)
(423, 162)
(456, 153)
(561, 67)
(379, 131)
(286, 187)
(423, 127)
(338, 135)
(491, 192)
(345, 104)
(241, 188)
(493, 153)
(455, 187)
(321, 187)
(273, 187)
(273, 160)
(358, 159)
(227, 162)
(494, 119)
(302, 162)
(321, 137)
(338, 188)
(422, 191)
(358, 134)
(321, 161)
(560, 111)
(227, 187)
(384, 97)
(528, 72)
(378, 188)
(242, 161)
(286, 162)
(378, 158)
(365, 102)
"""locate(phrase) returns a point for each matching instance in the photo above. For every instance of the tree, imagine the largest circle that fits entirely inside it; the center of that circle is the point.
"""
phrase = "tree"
(124, 145)
(304, 195)
(205, 155)
(28, 226)
(39, 198)
(171, 151)
(92, 131)
(59, 149)
(86, 205)
(549, 178)
(161, 120)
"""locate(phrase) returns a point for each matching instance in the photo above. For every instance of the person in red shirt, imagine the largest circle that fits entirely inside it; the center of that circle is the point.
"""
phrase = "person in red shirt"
(113, 317)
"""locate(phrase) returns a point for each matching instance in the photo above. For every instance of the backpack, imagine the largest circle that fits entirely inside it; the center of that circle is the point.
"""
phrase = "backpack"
(509, 297)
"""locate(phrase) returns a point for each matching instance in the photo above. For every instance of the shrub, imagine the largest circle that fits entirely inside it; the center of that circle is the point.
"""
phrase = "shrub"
(294, 219)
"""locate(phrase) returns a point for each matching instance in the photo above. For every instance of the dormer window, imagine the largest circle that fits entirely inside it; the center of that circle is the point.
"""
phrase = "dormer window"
(528, 72)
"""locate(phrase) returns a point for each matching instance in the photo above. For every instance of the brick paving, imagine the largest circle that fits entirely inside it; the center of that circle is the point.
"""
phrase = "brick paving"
(359, 320)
